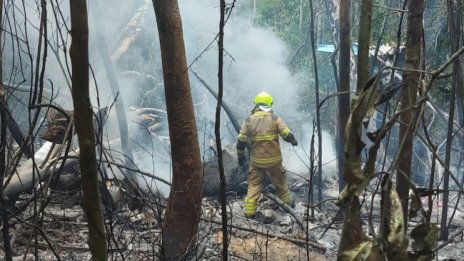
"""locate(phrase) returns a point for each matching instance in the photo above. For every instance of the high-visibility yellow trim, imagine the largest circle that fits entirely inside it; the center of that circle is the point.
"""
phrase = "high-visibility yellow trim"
(250, 201)
(240, 152)
(261, 113)
(266, 160)
(285, 132)
(287, 198)
(250, 207)
(265, 137)
(242, 137)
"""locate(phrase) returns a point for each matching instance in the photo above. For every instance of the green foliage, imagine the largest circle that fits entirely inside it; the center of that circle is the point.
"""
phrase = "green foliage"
(378, 15)
(283, 17)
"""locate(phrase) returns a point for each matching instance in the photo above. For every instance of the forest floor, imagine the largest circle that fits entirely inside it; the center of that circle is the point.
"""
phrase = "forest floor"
(136, 235)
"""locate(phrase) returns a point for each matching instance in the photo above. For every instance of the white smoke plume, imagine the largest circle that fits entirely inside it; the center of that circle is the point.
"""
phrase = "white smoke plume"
(255, 61)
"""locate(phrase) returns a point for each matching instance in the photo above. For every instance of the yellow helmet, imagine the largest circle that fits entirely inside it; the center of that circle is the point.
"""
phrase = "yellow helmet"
(264, 97)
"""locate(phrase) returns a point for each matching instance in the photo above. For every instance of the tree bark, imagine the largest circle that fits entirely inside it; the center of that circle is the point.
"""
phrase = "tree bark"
(316, 83)
(79, 53)
(182, 216)
(217, 132)
(364, 39)
(344, 68)
(408, 99)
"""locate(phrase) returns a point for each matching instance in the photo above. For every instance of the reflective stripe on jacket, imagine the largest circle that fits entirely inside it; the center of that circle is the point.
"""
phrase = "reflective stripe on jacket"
(261, 130)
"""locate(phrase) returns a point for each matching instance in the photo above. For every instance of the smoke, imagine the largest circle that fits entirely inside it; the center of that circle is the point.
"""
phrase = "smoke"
(297, 159)
(255, 60)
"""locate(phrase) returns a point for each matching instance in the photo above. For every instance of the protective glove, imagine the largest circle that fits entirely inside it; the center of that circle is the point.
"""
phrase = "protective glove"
(294, 142)
(291, 139)
(242, 161)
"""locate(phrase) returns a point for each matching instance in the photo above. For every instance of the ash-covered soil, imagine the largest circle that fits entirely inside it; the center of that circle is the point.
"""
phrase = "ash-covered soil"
(61, 232)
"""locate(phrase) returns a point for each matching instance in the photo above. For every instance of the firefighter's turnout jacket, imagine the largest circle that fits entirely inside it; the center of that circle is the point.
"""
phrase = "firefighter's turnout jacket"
(261, 131)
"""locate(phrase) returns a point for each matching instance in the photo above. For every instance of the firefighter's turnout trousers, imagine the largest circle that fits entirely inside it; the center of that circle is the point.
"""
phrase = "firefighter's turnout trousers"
(262, 130)
(256, 177)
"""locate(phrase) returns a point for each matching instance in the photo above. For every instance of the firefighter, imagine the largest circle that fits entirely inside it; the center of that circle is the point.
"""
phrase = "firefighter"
(261, 131)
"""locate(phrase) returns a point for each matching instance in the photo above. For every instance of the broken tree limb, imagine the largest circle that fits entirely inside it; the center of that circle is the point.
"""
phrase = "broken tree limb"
(226, 108)
(288, 209)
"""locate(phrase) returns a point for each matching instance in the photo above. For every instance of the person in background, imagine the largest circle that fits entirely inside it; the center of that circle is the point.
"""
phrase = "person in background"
(261, 130)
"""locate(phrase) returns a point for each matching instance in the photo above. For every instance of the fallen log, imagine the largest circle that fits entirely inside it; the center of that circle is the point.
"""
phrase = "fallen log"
(33, 171)
(47, 159)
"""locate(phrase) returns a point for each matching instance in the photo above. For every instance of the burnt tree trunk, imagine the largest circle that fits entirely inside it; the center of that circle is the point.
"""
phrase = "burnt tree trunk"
(217, 132)
(344, 85)
(79, 53)
(181, 220)
(408, 100)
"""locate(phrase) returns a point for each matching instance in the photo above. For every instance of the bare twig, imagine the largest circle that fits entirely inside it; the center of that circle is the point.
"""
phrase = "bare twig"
(286, 208)
(290, 239)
